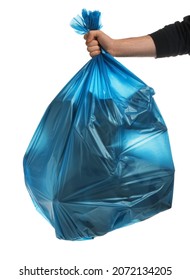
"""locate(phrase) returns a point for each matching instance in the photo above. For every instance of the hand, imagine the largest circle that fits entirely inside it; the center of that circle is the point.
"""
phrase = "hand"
(96, 39)
(92, 43)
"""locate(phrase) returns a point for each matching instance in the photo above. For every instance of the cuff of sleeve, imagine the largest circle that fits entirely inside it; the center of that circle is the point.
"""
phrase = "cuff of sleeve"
(160, 41)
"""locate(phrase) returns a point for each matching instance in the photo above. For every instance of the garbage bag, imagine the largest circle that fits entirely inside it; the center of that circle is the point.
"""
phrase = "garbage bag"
(100, 158)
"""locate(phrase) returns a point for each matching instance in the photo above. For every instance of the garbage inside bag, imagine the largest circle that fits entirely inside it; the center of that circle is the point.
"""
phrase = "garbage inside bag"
(100, 158)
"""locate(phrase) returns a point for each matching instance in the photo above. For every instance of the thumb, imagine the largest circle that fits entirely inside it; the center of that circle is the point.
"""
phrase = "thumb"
(91, 35)
(86, 36)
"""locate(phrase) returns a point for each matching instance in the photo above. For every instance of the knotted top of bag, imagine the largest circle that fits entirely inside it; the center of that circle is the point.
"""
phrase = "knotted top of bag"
(87, 21)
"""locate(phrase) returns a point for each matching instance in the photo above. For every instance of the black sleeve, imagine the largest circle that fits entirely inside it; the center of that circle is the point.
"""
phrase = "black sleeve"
(173, 39)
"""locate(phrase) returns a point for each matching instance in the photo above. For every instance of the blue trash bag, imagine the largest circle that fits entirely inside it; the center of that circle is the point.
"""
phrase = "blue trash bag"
(100, 158)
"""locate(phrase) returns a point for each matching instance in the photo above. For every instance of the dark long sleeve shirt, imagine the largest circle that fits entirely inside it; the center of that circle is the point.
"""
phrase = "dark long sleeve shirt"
(173, 39)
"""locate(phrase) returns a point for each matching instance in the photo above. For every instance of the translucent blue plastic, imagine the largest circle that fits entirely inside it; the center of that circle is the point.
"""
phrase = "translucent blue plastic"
(100, 158)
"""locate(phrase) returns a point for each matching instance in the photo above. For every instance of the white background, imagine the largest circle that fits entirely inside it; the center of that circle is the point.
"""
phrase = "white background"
(39, 53)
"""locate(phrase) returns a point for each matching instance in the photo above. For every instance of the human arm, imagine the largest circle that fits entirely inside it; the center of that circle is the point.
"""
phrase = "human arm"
(172, 40)
(136, 46)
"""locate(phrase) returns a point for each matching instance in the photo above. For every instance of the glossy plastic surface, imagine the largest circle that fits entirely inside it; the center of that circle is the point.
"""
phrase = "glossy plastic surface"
(100, 158)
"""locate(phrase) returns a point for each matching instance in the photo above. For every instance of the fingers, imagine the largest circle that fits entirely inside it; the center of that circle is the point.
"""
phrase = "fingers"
(94, 50)
(92, 44)
(91, 35)
(86, 36)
